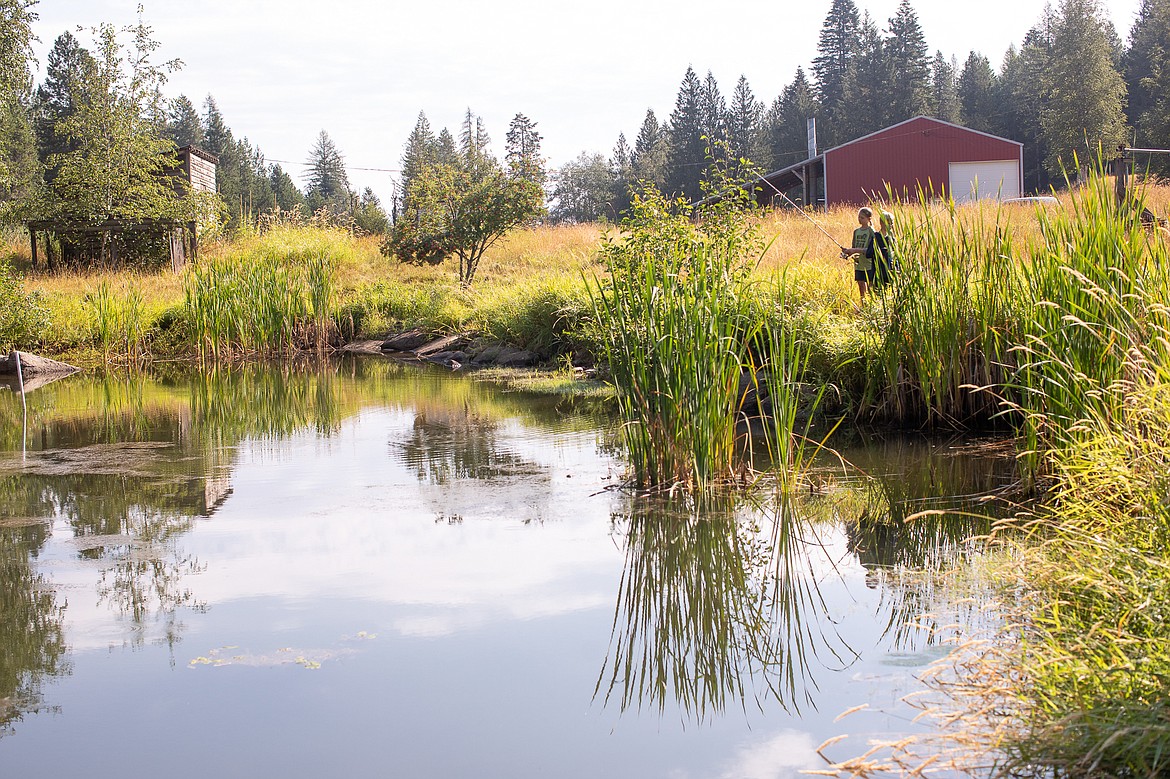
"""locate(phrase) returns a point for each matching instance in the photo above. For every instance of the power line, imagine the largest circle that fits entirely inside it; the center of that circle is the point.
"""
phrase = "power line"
(347, 167)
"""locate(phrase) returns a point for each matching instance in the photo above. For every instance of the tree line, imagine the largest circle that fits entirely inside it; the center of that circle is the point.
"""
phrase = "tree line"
(96, 139)
(1070, 87)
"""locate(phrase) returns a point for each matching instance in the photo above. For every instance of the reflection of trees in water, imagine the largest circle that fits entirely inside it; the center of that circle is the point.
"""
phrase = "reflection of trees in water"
(446, 444)
(717, 606)
(32, 640)
(916, 526)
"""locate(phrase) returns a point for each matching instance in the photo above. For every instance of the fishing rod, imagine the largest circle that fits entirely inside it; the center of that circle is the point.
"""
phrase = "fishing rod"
(803, 213)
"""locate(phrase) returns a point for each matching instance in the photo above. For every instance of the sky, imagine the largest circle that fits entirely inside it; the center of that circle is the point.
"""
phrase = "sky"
(362, 70)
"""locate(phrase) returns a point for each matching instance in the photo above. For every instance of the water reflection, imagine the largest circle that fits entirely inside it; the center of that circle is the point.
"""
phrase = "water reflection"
(734, 604)
(718, 605)
(722, 604)
(32, 641)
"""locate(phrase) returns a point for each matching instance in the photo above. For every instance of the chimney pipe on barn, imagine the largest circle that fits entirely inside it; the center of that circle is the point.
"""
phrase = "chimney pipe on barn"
(812, 137)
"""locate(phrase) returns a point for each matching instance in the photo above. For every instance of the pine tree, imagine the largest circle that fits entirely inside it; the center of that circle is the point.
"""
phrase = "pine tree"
(866, 86)
(1147, 76)
(745, 119)
(522, 151)
(836, 51)
(686, 156)
(788, 122)
(1021, 93)
(18, 144)
(446, 150)
(285, 194)
(945, 102)
(474, 140)
(218, 139)
(69, 71)
(421, 150)
(649, 155)
(977, 85)
(1085, 110)
(326, 182)
(184, 125)
(622, 176)
(907, 67)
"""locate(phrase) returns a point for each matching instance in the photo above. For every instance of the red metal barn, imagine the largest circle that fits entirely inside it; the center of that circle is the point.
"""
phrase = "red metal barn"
(939, 157)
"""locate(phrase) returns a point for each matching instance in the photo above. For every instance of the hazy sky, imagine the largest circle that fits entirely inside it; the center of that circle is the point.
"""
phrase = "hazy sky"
(363, 69)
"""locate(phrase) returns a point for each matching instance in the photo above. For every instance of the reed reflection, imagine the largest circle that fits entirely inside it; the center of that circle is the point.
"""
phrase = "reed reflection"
(717, 606)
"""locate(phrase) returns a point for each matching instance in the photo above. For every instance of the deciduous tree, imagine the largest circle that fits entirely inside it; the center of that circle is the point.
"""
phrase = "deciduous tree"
(463, 209)
(1084, 113)
(582, 190)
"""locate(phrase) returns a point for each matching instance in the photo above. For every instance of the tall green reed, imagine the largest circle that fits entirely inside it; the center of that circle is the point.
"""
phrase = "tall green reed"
(943, 331)
(1098, 289)
(259, 304)
(120, 322)
(674, 324)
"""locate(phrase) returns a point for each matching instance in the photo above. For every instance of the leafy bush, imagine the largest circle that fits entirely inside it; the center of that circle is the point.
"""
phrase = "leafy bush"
(22, 316)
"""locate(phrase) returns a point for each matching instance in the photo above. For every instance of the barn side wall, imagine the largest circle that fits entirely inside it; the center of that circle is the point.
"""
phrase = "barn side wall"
(904, 157)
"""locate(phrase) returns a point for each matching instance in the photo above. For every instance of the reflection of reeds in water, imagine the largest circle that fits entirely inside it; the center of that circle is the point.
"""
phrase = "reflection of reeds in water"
(715, 611)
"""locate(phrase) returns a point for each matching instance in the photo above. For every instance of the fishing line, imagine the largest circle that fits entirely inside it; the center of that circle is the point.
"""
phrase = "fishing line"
(803, 213)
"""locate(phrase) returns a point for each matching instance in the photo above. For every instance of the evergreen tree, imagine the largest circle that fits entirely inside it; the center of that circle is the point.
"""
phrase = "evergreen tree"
(1147, 77)
(1022, 93)
(217, 136)
(118, 166)
(285, 194)
(522, 150)
(369, 216)
(836, 49)
(18, 145)
(977, 87)
(184, 125)
(945, 102)
(907, 67)
(474, 140)
(446, 151)
(326, 182)
(648, 160)
(866, 87)
(745, 119)
(68, 73)
(218, 139)
(686, 156)
(1085, 108)
(713, 111)
(420, 152)
(788, 122)
(622, 176)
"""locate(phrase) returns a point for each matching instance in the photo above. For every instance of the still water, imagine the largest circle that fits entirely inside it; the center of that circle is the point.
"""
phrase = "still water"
(370, 569)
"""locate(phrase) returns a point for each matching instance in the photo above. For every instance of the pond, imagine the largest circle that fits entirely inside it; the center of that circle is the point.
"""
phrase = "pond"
(370, 568)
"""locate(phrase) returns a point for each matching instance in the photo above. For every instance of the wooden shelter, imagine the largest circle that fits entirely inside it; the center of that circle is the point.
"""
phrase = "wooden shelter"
(113, 240)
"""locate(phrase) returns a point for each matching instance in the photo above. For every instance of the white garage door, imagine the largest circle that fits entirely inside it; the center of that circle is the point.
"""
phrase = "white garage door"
(991, 178)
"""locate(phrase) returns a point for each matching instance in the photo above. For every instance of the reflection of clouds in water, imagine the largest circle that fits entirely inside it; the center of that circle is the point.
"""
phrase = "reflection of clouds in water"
(779, 757)
(477, 615)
